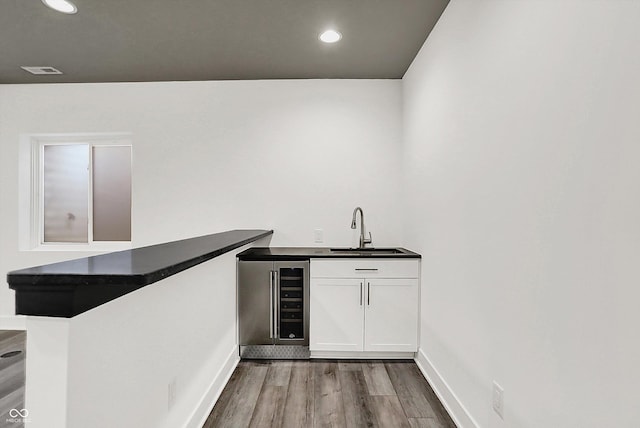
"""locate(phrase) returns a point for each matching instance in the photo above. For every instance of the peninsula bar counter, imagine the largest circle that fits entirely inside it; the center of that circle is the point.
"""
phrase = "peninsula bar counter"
(69, 288)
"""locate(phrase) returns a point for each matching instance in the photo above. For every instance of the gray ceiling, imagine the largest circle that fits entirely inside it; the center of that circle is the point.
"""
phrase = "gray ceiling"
(164, 40)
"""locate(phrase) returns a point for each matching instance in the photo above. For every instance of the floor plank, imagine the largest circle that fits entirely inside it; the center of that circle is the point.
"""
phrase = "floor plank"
(389, 411)
(329, 407)
(358, 407)
(299, 405)
(377, 378)
(346, 365)
(269, 408)
(278, 373)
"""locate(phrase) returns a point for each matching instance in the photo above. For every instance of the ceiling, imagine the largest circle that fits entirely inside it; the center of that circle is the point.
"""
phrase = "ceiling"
(166, 40)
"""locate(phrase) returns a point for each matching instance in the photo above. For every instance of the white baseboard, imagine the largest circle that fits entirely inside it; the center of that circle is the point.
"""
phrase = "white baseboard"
(209, 399)
(450, 401)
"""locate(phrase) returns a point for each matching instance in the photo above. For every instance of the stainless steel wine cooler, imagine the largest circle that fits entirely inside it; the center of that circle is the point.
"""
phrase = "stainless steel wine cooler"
(273, 309)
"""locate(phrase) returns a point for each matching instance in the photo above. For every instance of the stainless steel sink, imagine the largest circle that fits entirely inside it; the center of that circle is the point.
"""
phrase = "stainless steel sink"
(368, 250)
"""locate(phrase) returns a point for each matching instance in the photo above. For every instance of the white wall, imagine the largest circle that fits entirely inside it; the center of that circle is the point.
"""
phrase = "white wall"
(210, 156)
(521, 156)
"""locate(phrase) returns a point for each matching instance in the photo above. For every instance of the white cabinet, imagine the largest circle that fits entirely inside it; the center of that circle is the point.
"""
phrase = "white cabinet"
(369, 306)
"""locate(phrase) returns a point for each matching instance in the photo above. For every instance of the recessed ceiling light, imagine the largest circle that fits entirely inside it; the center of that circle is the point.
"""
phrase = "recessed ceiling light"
(63, 6)
(330, 36)
(41, 69)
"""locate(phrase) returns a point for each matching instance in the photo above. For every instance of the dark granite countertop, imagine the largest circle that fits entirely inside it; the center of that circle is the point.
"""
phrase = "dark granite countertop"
(69, 288)
(306, 253)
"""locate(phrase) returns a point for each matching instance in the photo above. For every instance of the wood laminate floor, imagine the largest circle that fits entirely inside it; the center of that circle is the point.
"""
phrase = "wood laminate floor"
(12, 375)
(323, 393)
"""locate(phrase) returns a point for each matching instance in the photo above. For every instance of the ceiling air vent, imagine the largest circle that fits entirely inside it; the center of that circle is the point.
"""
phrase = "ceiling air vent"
(42, 70)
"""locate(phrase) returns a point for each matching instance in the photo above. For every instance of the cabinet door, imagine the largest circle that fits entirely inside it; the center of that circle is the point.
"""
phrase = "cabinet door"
(337, 314)
(255, 303)
(391, 315)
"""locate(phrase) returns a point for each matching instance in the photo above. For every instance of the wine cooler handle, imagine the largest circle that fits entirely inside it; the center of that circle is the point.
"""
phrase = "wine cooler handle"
(271, 282)
(276, 312)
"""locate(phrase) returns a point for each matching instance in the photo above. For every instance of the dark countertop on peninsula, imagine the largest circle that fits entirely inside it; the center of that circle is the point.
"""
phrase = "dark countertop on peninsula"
(69, 288)
(306, 253)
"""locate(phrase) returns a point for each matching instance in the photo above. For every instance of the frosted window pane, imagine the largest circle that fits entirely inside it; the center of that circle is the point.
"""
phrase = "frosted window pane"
(112, 193)
(66, 189)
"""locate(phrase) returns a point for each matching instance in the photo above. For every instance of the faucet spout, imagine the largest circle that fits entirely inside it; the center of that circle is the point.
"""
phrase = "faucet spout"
(363, 240)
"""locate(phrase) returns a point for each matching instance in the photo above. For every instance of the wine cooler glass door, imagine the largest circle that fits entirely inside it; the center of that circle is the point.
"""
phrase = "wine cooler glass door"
(292, 318)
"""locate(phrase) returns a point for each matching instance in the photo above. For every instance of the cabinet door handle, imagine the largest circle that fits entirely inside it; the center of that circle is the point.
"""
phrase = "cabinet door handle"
(368, 294)
(367, 269)
(361, 287)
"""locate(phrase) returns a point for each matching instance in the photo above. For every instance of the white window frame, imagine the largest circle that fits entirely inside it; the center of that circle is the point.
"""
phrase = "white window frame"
(31, 195)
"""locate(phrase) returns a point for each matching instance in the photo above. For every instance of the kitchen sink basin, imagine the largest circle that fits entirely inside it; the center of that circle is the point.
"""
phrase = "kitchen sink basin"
(381, 251)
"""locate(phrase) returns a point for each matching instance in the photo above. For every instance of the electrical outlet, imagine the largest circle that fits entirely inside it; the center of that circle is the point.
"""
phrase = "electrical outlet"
(497, 398)
(171, 393)
(318, 236)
